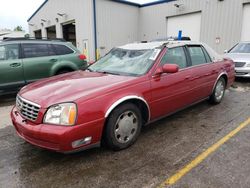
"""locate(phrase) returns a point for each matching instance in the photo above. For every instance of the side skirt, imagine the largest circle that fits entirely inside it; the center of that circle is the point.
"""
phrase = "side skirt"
(157, 119)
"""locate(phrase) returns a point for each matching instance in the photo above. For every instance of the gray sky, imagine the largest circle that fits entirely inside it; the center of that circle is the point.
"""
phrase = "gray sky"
(16, 12)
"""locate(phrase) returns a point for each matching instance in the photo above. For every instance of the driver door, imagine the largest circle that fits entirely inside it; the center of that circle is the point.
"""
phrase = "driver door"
(171, 91)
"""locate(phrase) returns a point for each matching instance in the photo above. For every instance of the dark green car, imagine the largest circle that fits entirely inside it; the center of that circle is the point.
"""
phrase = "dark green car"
(25, 61)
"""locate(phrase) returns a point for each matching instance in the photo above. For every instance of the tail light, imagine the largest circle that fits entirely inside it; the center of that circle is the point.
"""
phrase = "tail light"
(82, 57)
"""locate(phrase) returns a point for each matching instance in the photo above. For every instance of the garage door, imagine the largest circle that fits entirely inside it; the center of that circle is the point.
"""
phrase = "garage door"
(190, 24)
(245, 36)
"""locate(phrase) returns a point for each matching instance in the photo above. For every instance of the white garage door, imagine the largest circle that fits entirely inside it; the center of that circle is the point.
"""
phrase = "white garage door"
(189, 24)
(245, 36)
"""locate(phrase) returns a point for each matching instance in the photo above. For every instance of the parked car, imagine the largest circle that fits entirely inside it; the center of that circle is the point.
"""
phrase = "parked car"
(23, 61)
(240, 54)
(109, 103)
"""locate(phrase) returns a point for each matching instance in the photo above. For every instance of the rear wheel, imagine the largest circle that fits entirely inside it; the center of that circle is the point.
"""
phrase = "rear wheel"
(123, 127)
(218, 92)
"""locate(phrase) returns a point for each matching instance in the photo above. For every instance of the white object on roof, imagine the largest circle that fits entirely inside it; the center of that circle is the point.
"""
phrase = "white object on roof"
(11, 34)
(170, 44)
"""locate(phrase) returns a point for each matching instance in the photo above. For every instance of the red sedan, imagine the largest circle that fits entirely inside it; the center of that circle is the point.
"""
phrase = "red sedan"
(131, 86)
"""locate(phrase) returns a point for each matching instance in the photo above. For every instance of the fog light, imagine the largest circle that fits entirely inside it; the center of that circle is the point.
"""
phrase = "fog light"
(81, 142)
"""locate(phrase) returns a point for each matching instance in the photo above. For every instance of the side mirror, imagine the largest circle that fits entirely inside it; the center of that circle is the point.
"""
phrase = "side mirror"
(170, 68)
(225, 51)
(167, 68)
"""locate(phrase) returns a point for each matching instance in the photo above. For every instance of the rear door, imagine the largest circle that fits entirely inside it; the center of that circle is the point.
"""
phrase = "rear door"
(11, 67)
(204, 72)
(38, 58)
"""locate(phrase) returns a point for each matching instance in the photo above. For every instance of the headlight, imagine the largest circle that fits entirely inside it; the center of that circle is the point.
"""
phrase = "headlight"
(248, 64)
(61, 114)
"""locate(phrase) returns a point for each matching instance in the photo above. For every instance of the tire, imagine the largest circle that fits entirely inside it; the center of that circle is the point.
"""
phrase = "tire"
(218, 92)
(123, 127)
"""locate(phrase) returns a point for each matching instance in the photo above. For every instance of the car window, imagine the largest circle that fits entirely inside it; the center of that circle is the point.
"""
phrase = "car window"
(62, 49)
(9, 51)
(197, 55)
(36, 50)
(208, 58)
(241, 48)
(128, 62)
(175, 56)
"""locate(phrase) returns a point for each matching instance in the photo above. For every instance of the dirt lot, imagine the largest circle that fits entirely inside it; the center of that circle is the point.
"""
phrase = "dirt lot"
(162, 149)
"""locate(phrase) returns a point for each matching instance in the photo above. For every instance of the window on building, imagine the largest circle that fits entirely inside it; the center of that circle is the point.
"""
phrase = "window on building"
(9, 51)
(175, 56)
(197, 55)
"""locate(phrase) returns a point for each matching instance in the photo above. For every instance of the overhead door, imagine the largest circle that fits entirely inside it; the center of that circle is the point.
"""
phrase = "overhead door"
(245, 36)
(189, 24)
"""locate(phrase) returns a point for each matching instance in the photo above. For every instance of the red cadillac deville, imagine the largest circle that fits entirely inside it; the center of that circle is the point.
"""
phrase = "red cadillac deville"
(109, 103)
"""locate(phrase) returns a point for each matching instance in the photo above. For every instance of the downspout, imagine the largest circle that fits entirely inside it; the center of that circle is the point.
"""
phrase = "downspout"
(95, 31)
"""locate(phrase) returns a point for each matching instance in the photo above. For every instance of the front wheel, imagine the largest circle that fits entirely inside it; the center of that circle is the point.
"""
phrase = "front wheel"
(123, 127)
(218, 92)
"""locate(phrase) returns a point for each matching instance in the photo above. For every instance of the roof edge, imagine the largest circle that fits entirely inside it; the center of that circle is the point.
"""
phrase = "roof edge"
(41, 6)
(127, 3)
(155, 3)
(118, 1)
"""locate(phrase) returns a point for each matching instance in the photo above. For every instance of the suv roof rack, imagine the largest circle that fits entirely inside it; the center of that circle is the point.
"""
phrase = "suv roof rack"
(32, 38)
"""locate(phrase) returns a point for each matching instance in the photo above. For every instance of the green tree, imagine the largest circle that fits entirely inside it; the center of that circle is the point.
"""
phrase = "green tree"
(18, 28)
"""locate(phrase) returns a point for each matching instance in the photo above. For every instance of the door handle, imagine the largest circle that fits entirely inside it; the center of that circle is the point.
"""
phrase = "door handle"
(187, 77)
(53, 60)
(15, 64)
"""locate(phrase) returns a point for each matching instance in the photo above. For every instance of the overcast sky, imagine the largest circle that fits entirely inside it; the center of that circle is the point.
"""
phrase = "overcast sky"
(17, 12)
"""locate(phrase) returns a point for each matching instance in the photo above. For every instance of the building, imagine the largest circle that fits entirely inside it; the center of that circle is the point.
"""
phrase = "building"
(99, 25)
(6, 33)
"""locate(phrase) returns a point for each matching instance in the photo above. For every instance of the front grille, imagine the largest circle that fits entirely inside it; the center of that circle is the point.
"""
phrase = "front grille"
(28, 109)
(240, 64)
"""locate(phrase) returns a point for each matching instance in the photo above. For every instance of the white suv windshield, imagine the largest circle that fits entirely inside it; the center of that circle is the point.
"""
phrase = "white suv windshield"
(126, 62)
(241, 48)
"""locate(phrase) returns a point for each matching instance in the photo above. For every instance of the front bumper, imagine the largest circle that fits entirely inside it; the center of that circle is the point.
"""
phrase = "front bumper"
(57, 138)
(242, 72)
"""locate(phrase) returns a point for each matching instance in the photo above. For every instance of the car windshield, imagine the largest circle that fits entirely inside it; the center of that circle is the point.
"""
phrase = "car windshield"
(126, 62)
(241, 48)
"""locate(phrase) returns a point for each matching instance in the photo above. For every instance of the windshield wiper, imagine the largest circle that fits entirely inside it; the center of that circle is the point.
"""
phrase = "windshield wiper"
(107, 72)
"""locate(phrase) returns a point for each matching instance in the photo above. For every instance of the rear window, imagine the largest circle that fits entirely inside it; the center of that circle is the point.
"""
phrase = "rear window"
(197, 55)
(37, 50)
(62, 49)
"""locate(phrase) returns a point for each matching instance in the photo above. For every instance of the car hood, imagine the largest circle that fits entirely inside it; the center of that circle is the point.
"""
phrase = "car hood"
(242, 57)
(72, 86)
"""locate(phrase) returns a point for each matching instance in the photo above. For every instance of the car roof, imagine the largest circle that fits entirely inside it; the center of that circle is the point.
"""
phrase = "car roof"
(33, 41)
(157, 44)
(170, 44)
(244, 42)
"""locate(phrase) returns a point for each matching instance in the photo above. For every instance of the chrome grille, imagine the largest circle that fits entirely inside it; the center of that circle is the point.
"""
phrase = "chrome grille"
(28, 109)
(240, 64)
